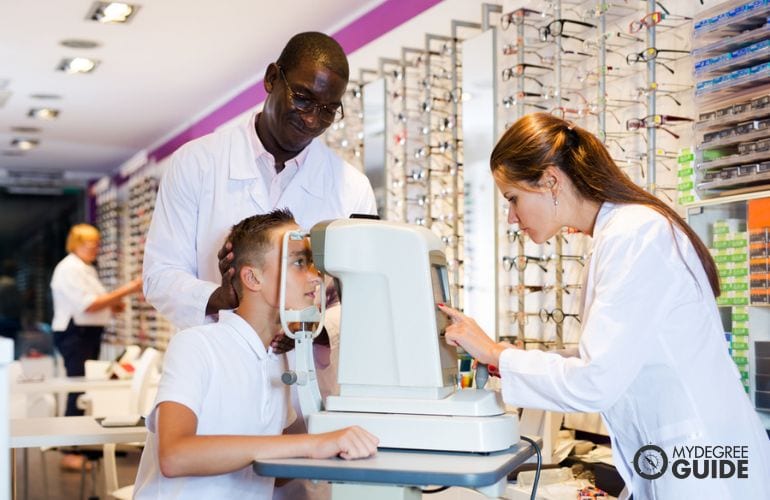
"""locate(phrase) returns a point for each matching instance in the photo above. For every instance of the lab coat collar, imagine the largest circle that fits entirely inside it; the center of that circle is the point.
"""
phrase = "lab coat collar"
(311, 172)
(603, 217)
(311, 163)
(245, 331)
(247, 168)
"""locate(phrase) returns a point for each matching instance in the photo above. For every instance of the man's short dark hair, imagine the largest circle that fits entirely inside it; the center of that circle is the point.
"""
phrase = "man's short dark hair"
(318, 47)
(252, 237)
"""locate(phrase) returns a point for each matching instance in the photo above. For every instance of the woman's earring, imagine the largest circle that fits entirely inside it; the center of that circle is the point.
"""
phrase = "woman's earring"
(555, 201)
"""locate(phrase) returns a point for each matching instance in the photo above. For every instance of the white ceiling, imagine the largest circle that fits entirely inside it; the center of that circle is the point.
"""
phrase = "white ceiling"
(160, 71)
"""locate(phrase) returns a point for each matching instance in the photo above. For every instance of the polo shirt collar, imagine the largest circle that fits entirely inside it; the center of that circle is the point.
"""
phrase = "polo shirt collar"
(246, 332)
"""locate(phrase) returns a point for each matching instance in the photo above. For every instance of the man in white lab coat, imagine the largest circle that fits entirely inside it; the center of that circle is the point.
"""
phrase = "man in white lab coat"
(273, 161)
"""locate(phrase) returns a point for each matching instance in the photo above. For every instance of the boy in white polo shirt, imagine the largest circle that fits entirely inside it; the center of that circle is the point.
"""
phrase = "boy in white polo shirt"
(221, 403)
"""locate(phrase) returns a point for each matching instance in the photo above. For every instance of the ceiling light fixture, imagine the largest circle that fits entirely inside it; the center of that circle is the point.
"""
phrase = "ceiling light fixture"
(45, 97)
(112, 12)
(79, 43)
(24, 144)
(74, 65)
(26, 130)
(43, 113)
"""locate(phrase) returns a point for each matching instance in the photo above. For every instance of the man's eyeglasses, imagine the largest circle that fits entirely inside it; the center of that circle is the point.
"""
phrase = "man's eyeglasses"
(305, 105)
(556, 28)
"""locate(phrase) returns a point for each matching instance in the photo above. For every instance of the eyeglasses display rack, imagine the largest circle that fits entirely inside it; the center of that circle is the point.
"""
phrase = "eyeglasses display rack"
(109, 220)
(123, 215)
(346, 136)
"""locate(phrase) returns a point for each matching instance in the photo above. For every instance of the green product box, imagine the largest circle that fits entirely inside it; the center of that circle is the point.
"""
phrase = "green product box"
(719, 244)
(740, 301)
(723, 301)
(720, 228)
(738, 257)
(739, 346)
(739, 318)
(723, 234)
(686, 171)
(739, 271)
(740, 331)
(744, 375)
(738, 243)
(685, 157)
(684, 200)
(722, 259)
(740, 360)
(685, 186)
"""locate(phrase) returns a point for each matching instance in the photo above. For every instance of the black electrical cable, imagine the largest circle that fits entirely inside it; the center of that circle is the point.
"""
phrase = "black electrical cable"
(539, 465)
(435, 490)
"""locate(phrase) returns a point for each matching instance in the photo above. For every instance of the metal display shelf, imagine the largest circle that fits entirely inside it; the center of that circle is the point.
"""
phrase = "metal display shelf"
(730, 119)
(728, 64)
(739, 21)
(735, 139)
(734, 160)
(734, 182)
(728, 87)
(729, 44)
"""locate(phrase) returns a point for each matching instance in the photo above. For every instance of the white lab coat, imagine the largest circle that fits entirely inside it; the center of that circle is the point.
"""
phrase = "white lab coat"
(652, 359)
(212, 184)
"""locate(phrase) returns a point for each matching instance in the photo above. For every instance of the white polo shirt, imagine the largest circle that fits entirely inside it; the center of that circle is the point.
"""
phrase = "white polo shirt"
(224, 374)
(74, 286)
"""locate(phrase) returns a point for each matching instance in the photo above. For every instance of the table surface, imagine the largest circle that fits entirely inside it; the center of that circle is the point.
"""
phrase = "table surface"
(405, 467)
(67, 384)
(69, 431)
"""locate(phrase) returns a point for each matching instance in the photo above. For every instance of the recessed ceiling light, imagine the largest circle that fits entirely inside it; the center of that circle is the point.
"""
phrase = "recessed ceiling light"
(24, 144)
(48, 97)
(43, 113)
(77, 43)
(112, 12)
(26, 130)
(77, 65)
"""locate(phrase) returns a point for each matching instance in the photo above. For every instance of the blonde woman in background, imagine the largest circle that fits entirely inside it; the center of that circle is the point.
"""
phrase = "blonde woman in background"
(82, 307)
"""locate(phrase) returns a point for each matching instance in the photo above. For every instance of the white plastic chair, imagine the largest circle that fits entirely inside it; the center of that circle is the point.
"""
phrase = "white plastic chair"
(28, 406)
(140, 387)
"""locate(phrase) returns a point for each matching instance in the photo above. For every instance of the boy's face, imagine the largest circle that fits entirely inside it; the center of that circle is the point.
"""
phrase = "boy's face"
(302, 278)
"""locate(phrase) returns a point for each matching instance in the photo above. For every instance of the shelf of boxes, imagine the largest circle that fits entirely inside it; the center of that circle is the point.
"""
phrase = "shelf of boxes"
(732, 44)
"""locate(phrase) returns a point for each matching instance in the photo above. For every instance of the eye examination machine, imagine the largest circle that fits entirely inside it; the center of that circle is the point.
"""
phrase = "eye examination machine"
(397, 375)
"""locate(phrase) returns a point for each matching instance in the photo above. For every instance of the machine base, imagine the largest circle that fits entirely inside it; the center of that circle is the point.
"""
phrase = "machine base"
(426, 432)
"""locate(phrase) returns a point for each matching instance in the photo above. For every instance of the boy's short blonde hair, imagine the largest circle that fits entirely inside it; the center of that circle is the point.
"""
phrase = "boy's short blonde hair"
(79, 234)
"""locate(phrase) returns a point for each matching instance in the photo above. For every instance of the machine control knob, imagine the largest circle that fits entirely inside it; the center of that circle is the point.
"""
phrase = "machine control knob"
(289, 377)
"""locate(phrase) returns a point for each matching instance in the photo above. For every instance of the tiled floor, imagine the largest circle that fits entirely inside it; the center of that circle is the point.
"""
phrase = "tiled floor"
(64, 485)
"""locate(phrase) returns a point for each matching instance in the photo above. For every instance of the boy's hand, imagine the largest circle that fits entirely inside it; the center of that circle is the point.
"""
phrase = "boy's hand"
(282, 344)
(349, 443)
